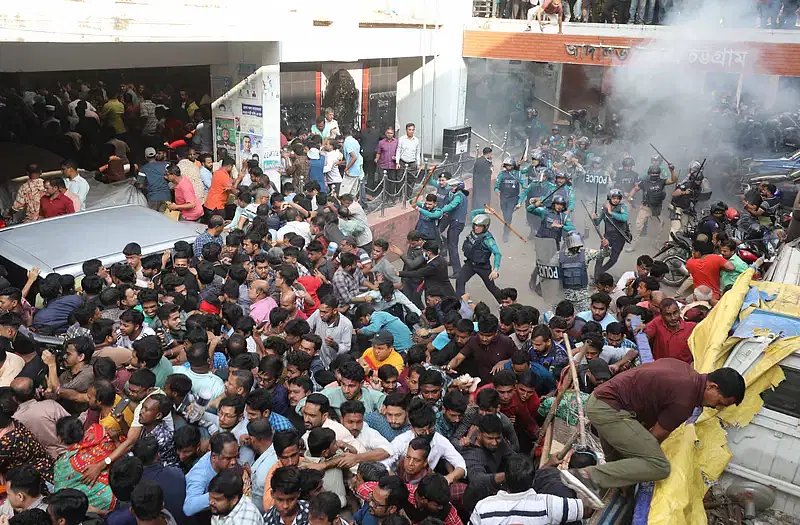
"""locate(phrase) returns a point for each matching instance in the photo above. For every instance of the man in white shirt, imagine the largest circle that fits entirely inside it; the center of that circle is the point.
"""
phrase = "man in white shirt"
(353, 420)
(643, 265)
(423, 422)
(75, 183)
(409, 150)
(522, 504)
(315, 414)
(295, 224)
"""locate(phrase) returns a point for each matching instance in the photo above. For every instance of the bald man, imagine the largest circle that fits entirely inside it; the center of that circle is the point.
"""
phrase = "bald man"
(289, 303)
(655, 301)
(262, 303)
(703, 296)
(39, 417)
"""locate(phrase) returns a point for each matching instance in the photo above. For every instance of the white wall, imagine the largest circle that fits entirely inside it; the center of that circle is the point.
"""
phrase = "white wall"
(433, 97)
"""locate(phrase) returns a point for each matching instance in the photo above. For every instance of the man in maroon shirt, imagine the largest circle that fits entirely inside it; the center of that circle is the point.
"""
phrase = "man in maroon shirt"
(637, 410)
(386, 159)
(669, 334)
(490, 349)
(53, 202)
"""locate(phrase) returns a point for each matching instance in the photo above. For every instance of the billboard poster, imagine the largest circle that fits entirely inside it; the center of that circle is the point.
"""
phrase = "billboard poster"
(225, 133)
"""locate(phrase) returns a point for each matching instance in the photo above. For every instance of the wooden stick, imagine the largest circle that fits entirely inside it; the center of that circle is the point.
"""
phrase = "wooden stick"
(574, 371)
(568, 445)
(512, 230)
(425, 183)
(548, 442)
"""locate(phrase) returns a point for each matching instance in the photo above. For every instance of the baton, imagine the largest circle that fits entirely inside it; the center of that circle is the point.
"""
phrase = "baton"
(553, 192)
(512, 230)
(596, 227)
(425, 183)
(659, 154)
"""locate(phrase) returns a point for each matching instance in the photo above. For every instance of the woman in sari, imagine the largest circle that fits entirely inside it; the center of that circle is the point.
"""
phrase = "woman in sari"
(85, 448)
(18, 447)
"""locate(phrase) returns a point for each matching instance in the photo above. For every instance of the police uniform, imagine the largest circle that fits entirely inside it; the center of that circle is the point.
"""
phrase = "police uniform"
(508, 185)
(549, 216)
(535, 188)
(575, 275)
(597, 180)
(681, 205)
(653, 195)
(456, 209)
(615, 223)
(478, 250)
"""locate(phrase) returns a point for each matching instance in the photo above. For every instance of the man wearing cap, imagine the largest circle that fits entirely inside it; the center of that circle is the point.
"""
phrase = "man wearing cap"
(151, 181)
(30, 194)
(381, 353)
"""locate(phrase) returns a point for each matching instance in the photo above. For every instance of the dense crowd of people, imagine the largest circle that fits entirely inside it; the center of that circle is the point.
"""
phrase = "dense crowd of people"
(776, 14)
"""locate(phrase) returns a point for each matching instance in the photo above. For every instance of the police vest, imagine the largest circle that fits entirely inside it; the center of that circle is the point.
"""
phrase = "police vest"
(442, 195)
(509, 185)
(596, 177)
(684, 201)
(427, 227)
(653, 193)
(546, 230)
(626, 180)
(621, 225)
(573, 270)
(475, 249)
(458, 214)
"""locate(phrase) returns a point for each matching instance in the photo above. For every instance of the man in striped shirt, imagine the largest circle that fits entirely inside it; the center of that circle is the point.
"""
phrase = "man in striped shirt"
(521, 504)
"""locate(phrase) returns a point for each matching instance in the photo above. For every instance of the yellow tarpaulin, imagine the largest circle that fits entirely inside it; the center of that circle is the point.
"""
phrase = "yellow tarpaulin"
(699, 453)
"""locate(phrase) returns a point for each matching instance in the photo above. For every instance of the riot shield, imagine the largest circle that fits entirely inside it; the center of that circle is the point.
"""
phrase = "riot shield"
(546, 277)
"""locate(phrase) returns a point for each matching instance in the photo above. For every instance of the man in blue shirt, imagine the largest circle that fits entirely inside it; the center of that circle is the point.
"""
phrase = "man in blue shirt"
(171, 479)
(373, 321)
(598, 310)
(260, 437)
(151, 179)
(223, 455)
(352, 162)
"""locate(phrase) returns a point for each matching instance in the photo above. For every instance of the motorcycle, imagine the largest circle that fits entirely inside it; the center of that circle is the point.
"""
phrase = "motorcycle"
(674, 254)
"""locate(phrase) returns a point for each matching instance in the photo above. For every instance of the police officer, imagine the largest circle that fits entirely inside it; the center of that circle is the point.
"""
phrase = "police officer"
(508, 184)
(455, 207)
(537, 177)
(562, 187)
(428, 221)
(653, 196)
(626, 178)
(684, 197)
(714, 222)
(597, 179)
(572, 167)
(615, 217)
(479, 246)
(573, 261)
(555, 219)
(534, 128)
(582, 151)
(557, 141)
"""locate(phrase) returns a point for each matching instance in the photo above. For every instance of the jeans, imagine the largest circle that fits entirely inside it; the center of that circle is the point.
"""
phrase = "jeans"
(643, 7)
(453, 234)
(621, 435)
(468, 271)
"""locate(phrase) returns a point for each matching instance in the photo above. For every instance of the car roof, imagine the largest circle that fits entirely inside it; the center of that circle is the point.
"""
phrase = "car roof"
(61, 244)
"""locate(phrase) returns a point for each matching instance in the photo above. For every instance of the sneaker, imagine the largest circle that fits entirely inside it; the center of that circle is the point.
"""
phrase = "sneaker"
(630, 248)
(528, 29)
(583, 485)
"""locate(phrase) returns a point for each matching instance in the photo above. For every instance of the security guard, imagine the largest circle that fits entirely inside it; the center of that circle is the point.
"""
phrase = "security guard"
(508, 184)
(684, 197)
(555, 219)
(653, 196)
(617, 232)
(479, 246)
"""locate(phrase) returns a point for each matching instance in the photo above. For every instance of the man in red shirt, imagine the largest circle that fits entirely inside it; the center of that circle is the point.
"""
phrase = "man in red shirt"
(704, 266)
(54, 203)
(669, 333)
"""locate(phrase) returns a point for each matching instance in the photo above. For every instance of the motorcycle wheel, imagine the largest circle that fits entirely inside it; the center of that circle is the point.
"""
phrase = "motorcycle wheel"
(675, 276)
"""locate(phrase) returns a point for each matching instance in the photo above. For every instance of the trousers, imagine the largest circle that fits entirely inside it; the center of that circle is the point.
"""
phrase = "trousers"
(507, 206)
(621, 435)
(644, 216)
(453, 235)
(468, 271)
(616, 243)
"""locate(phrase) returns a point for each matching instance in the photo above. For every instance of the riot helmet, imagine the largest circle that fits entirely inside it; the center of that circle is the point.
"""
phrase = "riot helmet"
(719, 208)
(456, 184)
(628, 162)
(481, 219)
(573, 242)
(584, 142)
(536, 155)
(655, 160)
(694, 166)
(597, 160)
(654, 171)
(614, 193)
(559, 199)
(532, 112)
(510, 161)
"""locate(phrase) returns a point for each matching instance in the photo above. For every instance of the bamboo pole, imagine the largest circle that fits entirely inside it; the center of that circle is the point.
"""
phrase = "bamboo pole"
(574, 372)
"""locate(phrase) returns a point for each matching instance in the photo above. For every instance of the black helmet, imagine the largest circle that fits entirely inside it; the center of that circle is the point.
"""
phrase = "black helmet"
(614, 193)
(628, 161)
(654, 171)
(559, 199)
(719, 207)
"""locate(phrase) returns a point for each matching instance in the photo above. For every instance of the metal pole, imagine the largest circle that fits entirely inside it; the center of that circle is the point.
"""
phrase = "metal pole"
(383, 195)
(403, 187)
